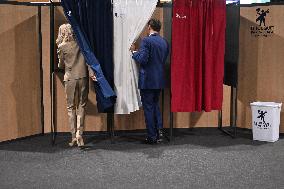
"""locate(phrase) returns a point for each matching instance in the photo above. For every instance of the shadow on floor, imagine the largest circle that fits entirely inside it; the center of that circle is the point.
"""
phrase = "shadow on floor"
(197, 138)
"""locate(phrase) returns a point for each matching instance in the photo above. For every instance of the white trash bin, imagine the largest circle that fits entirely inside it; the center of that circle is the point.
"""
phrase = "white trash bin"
(265, 121)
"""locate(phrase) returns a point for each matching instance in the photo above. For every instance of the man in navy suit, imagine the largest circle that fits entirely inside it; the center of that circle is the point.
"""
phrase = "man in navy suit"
(152, 56)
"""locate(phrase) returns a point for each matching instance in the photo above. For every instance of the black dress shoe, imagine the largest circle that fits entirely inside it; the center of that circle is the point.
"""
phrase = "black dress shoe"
(150, 141)
(161, 136)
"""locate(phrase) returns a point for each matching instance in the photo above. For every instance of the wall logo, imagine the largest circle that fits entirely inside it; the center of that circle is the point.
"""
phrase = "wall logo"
(261, 16)
(181, 16)
(261, 123)
(261, 29)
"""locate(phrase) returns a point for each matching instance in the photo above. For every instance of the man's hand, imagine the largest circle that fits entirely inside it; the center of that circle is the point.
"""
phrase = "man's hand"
(94, 78)
(132, 48)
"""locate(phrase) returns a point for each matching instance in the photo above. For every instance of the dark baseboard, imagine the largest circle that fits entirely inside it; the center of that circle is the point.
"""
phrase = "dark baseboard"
(22, 138)
(103, 133)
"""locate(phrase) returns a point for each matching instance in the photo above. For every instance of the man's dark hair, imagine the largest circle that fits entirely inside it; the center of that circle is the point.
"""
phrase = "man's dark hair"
(155, 24)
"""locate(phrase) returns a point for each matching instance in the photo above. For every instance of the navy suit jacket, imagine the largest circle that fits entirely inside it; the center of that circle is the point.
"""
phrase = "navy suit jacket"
(152, 56)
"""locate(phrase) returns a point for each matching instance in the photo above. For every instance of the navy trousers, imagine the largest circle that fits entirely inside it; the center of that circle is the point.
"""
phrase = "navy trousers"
(153, 118)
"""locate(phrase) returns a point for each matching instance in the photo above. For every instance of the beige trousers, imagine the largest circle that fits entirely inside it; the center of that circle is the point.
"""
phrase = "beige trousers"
(77, 97)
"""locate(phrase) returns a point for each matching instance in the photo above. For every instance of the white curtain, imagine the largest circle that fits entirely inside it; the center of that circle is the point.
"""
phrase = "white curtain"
(130, 18)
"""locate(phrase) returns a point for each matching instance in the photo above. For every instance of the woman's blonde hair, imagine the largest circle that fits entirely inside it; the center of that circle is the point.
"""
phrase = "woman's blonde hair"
(65, 34)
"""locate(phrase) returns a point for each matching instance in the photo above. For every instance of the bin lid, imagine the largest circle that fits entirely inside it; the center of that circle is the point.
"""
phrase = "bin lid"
(267, 104)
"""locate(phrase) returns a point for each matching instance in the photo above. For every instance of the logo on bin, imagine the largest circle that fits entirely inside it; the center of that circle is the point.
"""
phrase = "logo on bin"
(261, 124)
(261, 29)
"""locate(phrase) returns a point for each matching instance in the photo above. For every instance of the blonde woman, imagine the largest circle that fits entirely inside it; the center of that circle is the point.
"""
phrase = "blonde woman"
(75, 80)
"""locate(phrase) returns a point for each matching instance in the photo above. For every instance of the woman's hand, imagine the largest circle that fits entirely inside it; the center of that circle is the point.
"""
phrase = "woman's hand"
(94, 78)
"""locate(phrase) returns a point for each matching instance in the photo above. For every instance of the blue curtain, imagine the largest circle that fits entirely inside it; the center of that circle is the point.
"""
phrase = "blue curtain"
(92, 22)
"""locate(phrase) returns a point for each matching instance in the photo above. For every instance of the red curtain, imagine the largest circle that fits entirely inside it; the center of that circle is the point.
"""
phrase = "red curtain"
(198, 47)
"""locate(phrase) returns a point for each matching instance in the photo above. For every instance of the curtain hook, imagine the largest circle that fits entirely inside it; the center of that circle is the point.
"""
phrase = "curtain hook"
(137, 2)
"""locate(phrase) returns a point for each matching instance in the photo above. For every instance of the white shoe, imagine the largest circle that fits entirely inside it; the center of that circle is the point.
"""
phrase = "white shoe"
(80, 141)
(73, 142)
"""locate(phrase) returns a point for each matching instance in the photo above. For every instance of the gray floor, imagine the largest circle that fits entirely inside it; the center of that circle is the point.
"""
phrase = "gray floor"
(199, 158)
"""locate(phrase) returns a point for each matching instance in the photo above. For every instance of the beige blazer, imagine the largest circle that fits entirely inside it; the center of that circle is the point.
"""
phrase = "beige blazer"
(71, 58)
